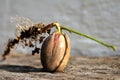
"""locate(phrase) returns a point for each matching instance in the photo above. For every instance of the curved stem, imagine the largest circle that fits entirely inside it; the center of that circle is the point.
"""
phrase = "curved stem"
(92, 38)
(58, 27)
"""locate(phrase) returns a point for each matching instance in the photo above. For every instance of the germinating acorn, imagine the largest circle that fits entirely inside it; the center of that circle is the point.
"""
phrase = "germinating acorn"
(55, 52)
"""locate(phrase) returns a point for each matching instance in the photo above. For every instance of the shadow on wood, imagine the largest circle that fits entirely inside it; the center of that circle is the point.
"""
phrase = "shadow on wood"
(20, 68)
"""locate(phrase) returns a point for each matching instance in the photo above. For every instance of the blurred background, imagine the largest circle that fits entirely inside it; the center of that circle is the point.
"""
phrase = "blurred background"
(98, 18)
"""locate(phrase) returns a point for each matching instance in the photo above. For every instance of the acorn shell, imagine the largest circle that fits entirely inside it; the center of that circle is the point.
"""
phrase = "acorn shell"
(55, 52)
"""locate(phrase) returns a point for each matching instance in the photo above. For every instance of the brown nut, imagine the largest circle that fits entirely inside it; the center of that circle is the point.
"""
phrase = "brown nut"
(55, 52)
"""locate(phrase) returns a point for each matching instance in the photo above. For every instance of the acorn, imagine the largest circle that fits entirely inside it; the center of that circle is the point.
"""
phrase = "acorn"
(55, 52)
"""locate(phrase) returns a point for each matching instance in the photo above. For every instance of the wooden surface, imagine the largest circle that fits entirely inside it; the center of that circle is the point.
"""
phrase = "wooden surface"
(28, 67)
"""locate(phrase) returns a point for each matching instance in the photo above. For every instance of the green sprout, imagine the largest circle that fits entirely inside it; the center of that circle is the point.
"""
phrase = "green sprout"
(84, 35)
